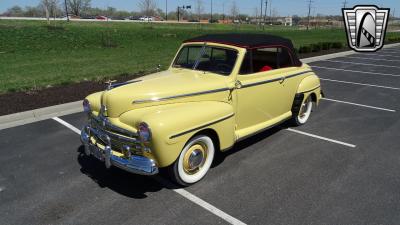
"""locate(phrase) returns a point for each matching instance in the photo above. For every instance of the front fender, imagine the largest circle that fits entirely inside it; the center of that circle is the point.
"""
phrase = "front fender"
(172, 125)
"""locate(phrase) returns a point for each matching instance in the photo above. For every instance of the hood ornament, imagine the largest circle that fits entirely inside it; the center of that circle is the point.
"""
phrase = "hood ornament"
(110, 84)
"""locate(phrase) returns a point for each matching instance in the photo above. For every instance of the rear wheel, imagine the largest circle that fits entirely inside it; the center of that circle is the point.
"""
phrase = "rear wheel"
(304, 112)
(194, 161)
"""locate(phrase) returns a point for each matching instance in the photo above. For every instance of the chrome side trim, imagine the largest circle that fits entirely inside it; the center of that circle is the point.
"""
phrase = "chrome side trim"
(276, 79)
(179, 96)
(201, 127)
(112, 86)
(310, 89)
(297, 74)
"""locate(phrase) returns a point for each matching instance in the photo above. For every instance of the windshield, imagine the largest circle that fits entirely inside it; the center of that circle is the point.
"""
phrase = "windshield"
(207, 58)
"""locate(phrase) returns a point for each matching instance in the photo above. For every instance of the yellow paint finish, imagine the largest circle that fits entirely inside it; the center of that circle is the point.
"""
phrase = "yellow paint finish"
(255, 107)
(168, 120)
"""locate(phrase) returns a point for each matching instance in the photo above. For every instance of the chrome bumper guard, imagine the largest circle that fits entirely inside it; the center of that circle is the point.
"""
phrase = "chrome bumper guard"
(135, 164)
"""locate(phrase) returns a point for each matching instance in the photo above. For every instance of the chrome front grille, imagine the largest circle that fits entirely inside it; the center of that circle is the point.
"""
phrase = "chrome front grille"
(110, 135)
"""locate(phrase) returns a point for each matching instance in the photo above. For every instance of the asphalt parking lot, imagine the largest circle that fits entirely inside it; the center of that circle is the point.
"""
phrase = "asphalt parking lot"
(342, 167)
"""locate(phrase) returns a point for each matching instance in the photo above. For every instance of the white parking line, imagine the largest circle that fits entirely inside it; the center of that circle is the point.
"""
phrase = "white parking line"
(382, 55)
(322, 138)
(198, 201)
(361, 105)
(363, 64)
(388, 60)
(208, 207)
(357, 71)
(74, 129)
(363, 84)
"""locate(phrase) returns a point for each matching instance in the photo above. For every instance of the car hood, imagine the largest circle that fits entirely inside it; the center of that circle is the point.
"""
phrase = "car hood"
(175, 85)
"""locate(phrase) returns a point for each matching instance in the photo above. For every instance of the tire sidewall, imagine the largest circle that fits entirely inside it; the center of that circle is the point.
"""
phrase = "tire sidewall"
(298, 121)
(185, 179)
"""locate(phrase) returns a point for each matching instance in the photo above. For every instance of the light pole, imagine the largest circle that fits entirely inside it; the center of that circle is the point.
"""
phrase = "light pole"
(166, 10)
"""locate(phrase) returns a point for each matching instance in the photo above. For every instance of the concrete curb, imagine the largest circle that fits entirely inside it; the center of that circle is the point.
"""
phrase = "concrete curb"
(18, 119)
(21, 118)
(339, 54)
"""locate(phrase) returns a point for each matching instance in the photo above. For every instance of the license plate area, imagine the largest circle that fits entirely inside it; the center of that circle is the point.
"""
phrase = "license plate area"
(97, 152)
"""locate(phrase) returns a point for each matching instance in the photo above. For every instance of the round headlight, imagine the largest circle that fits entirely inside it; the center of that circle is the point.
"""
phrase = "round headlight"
(144, 132)
(86, 106)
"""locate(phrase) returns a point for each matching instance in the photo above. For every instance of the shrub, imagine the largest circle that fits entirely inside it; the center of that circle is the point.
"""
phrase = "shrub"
(394, 39)
(337, 45)
(305, 49)
(316, 47)
(326, 45)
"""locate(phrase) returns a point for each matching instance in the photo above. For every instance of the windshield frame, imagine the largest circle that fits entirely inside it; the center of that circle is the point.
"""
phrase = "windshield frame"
(201, 53)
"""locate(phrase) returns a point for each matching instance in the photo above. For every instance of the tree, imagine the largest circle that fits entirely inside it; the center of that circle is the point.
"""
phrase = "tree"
(234, 10)
(33, 11)
(148, 7)
(15, 11)
(296, 19)
(50, 8)
(111, 11)
(160, 13)
(199, 9)
(77, 6)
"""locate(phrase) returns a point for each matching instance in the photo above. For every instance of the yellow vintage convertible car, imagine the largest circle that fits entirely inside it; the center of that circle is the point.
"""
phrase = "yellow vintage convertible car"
(218, 90)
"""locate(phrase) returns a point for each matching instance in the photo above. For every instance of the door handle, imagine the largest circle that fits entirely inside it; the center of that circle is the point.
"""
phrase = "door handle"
(282, 79)
(238, 84)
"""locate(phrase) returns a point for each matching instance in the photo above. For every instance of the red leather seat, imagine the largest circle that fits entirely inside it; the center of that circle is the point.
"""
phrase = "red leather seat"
(265, 68)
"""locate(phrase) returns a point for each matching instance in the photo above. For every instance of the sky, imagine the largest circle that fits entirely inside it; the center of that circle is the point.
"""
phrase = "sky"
(282, 7)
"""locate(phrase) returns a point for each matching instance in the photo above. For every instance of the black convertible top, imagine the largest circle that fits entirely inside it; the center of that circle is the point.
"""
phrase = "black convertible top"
(249, 41)
(244, 40)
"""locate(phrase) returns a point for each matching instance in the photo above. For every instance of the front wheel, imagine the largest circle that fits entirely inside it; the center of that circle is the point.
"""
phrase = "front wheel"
(194, 161)
(304, 112)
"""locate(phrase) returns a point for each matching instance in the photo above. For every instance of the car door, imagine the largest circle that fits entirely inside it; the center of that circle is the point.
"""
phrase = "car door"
(262, 95)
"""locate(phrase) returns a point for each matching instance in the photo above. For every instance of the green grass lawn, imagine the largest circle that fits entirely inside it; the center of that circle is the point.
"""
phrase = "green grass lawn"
(33, 55)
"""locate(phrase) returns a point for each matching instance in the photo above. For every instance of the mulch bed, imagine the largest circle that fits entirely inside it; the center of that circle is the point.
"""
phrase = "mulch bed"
(23, 101)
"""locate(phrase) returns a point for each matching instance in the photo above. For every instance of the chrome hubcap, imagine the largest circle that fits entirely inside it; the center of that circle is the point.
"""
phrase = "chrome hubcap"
(195, 158)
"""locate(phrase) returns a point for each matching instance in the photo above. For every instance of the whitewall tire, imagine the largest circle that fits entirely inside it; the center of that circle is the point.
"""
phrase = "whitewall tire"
(304, 112)
(194, 161)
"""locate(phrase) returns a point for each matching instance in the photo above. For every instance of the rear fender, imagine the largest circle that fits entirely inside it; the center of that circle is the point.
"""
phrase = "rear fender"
(310, 85)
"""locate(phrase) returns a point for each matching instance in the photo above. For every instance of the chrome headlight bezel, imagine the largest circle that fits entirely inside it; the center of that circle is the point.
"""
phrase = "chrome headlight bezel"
(144, 132)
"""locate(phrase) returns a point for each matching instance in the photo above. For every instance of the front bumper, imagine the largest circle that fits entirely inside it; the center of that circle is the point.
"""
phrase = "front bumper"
(133, 164)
